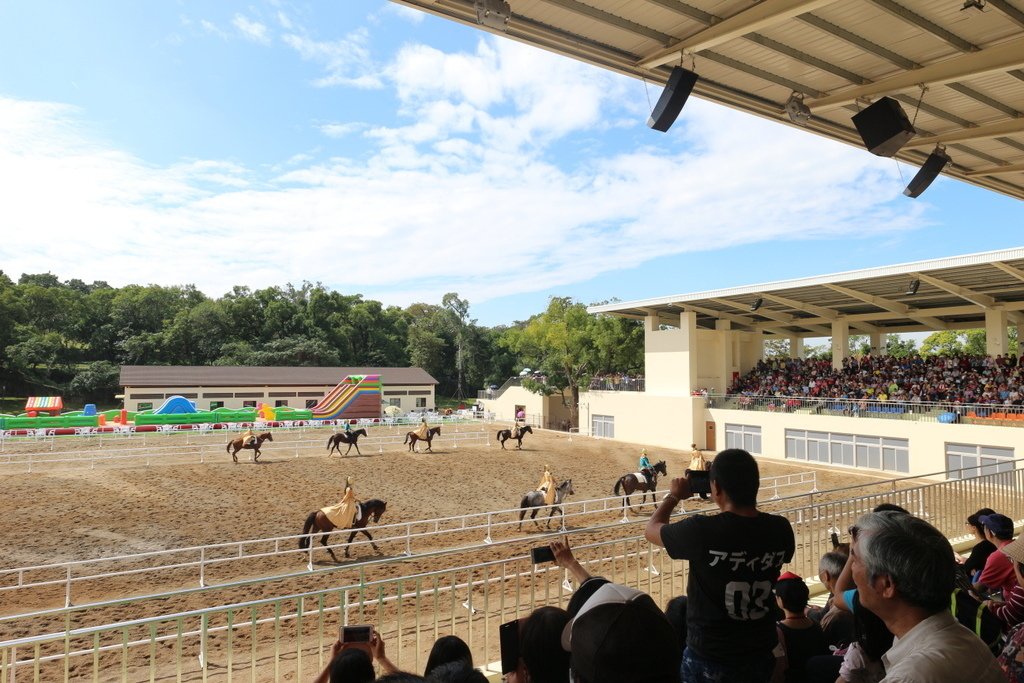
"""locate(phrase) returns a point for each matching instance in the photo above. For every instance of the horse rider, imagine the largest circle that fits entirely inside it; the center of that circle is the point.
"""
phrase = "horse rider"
(697, 461)
(547, 486)
(348, 428)
(423, 431)
(344, 514)
(248, 438)
(646, 468)
(515, 431)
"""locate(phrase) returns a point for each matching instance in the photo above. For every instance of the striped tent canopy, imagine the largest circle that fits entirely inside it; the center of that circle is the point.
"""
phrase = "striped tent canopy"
(45, 404)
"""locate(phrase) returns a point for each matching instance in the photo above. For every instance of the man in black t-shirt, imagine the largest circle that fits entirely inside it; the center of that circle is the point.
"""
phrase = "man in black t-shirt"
(735, 559)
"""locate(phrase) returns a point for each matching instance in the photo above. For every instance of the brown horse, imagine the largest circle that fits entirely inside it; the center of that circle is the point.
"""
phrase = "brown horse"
(630, 483)
(351, 438)
(317, 522)
(412, 437)
(237, 445)
(506, 434)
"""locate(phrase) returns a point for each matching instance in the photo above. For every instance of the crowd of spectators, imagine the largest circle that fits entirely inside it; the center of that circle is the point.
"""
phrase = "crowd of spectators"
(956, 380)
(893, 613)
(616, 381)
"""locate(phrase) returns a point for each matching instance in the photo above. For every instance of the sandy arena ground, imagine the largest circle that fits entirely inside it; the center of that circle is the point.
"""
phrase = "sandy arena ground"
(67, 514)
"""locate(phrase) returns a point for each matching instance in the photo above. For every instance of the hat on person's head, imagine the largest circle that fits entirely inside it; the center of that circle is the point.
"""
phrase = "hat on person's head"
(643, 451)
(1015, 549)
(614, 627)
(793, 592)
(999, 525)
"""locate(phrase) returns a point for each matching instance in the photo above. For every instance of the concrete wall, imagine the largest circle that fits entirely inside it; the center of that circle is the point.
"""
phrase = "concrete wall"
(546, 411)
(664, 421)
(293, 396)
(927, 440)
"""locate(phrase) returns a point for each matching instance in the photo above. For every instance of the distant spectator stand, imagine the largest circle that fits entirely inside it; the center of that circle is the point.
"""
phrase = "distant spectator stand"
(51, 405)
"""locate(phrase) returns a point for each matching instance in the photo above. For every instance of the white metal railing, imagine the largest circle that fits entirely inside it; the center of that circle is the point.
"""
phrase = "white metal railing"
(202, 451)
(172, 568)
(290, 635)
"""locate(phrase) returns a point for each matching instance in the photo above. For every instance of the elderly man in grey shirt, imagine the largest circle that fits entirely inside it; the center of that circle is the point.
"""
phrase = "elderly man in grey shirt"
(904, 570)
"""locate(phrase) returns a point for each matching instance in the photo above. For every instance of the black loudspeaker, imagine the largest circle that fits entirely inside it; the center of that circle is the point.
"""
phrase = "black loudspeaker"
(884, 127)
(933, 166)
(680, 84)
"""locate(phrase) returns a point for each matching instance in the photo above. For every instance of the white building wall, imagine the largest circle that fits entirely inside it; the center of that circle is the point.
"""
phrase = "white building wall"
(292, 396)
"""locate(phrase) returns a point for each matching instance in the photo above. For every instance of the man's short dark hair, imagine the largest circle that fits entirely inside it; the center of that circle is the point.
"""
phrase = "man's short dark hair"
(540, 645)
(352, 665)
(975, 520)
(736, 473)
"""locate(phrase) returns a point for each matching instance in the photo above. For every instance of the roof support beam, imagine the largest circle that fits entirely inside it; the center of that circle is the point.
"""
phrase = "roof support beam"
(784, 318)
(1009, 270)
(611, 20)
(991, 130)
(999, 58)
(917, 20)
(762, 15)
(821, 312)
(996, 170)
(963, 292)
(889, 305)
(1009, 10)
(712, 313)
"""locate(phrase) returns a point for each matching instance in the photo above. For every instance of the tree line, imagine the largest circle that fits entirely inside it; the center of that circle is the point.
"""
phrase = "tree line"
(70, 337)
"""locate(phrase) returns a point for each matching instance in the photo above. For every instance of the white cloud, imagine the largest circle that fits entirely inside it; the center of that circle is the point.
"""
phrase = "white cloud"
(473, 195)
(285, 22)
(251, 30)
(413, 16)
(340, 130)
(346, 61)
(213, 29)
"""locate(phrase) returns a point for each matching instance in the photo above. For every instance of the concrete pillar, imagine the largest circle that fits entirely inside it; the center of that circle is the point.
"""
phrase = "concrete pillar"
(878, 343)
(670, 355)
(840, 343)
(996, 338)
(724, 329)
(796, 347)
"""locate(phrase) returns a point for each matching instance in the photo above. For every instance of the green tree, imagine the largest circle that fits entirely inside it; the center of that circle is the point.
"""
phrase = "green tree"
(98, 382)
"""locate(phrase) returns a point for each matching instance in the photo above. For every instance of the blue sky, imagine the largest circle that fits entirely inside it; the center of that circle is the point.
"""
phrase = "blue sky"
(385, 152)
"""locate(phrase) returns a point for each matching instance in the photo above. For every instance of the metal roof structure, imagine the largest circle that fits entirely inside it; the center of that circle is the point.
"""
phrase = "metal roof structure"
(950, 293)
(964, 61)
(246, 376)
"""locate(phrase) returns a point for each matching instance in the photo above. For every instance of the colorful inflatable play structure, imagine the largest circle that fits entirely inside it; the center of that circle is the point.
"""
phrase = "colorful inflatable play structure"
(355, 397)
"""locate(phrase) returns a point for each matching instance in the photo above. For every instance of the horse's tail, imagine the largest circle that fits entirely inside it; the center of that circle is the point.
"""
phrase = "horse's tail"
(407, 435)
(498, 435)
(304, 538)
(330, 440)
(227, 448)
(617, 485)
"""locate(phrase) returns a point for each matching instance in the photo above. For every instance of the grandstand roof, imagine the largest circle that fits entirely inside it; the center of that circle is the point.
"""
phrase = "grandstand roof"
(838, 53)
(952, 293)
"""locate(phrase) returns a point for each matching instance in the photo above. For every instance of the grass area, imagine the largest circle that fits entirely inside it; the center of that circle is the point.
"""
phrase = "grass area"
(443, 402)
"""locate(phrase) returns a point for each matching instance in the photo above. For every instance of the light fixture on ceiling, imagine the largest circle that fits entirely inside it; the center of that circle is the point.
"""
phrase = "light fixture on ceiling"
(974, 4)
(757, 304)
(493, 14)
(799, 113)
(913, 287)
(931, 169)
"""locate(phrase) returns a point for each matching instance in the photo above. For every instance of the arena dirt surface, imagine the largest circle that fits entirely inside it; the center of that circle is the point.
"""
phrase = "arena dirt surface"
(69, 514)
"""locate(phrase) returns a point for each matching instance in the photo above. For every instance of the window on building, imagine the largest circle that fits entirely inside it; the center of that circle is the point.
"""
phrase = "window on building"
(969, 460)
(849, 450)
(310, 402)
(747, 437)
(421, 402)
(281, 402)
(395, 402)
(216, 404)
(603, 426)
(248, 404)
(146, 405)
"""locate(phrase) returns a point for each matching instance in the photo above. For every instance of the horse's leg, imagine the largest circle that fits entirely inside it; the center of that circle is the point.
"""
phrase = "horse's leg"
(519, 444)
(330, 550)
(256, 454)
(234, 454)
(502, 442)
(533, 516)
(522, 513)
(349, 541)
(356, 444)
(374, 545)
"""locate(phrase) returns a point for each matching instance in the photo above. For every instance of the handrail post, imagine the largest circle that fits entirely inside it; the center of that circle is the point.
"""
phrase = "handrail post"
(625, 515)
(67, 590)
(814, 481)
(487, 539)
(202, 567)
(408, 540)
(309, 563)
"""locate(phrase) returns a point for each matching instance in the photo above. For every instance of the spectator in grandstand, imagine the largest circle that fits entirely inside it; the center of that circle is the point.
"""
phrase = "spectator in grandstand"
(448, 649)
(836, 624)
(904, 570)
(1011, 611)
(620, 636)
(800, 638)
(982, 549)
(735, 558)
(998, 572)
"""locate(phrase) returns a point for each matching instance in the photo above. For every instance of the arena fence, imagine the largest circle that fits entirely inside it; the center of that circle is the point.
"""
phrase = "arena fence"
(943, 412)
(211, 564)
(291, 635)
(197, 449)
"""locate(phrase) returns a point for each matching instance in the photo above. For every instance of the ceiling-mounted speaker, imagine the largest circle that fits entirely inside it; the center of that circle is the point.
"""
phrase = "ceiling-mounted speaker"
(680, 85)
(933, 166)
(884, 127)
